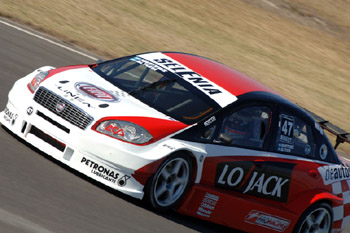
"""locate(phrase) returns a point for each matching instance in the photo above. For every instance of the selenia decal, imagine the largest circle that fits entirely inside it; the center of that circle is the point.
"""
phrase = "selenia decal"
(217, 93)
(262, 179)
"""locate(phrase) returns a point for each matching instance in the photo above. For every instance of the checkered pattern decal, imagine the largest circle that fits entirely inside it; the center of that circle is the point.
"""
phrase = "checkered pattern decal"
(341, 213)
(337, 178)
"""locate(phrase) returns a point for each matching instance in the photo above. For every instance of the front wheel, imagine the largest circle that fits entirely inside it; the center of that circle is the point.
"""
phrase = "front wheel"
(168, 185)
(317, 218)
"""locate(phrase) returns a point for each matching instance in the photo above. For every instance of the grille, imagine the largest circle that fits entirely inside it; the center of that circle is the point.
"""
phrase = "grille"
(69, 113)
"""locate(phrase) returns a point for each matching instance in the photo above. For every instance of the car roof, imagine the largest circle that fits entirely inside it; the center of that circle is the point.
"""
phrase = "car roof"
(243, 87)
(233, 81)
(273, 98)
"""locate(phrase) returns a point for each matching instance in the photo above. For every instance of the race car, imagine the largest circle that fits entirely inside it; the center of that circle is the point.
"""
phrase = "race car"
(186, 133)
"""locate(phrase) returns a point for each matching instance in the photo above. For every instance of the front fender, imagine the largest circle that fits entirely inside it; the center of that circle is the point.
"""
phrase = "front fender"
(167, 148)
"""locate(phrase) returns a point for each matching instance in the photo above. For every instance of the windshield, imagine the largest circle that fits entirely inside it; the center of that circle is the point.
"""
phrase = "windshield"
(158, 88)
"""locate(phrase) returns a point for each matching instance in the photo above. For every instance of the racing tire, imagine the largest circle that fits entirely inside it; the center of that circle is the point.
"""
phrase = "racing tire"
(168, 185)
(316, 218)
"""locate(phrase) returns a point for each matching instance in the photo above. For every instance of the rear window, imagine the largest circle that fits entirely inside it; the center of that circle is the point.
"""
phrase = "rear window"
(157, 88)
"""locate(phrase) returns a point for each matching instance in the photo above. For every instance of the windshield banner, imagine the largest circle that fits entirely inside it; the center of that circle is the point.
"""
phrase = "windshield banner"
(215, 92)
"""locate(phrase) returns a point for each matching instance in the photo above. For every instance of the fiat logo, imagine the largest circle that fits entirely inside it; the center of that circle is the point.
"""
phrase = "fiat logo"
(95, 92)
(60, 107)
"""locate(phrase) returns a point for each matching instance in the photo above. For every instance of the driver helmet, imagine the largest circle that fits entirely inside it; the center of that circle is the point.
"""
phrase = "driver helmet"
(237, 126)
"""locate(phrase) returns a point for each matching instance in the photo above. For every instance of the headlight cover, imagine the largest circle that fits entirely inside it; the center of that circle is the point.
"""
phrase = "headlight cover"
(124, 130)
(38, 78)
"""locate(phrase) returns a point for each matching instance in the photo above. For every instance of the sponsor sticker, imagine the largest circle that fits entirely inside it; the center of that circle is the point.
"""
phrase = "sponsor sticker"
(266, 220)
(95, 92)
(73, 96)
(307, 149)
(209, 121)
(207, 205)
(30, 110)
(319, 128)
(123, 180)
(323, 152)
(269, 180)
(282, 147)
(10, 116)
(334, 173)
(169, 147)
(105, 172)
(148, 64)
(215, 92)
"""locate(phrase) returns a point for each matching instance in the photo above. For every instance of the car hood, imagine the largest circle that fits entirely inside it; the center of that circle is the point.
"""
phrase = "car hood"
(100, 99)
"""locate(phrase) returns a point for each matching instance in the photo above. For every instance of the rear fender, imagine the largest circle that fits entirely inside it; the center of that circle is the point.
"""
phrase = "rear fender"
(306, 199)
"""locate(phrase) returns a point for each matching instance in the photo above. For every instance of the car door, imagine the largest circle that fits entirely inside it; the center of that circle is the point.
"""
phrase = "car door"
(238, 159)
(238, 171)
(295, 144)
(260, 154)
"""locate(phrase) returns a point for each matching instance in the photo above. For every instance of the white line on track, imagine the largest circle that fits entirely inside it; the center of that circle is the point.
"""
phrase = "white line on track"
(47, 40)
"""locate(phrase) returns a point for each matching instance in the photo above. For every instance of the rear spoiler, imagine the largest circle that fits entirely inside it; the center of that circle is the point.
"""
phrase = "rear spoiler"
(342, 135)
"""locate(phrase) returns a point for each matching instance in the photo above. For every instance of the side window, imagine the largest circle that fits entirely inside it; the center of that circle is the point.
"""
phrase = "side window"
(294, 136)
(246, 127)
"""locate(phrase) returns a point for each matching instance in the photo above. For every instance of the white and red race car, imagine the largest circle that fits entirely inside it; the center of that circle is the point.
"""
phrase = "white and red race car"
(187, 133)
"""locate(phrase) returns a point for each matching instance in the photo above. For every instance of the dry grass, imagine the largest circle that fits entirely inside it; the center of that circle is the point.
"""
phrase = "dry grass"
(299, 48)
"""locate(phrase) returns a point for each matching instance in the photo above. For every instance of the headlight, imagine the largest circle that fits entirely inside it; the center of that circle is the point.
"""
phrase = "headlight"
(34, 84)
(124, 130)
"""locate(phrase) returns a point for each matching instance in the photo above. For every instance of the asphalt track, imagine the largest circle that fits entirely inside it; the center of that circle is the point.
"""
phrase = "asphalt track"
(38, 195)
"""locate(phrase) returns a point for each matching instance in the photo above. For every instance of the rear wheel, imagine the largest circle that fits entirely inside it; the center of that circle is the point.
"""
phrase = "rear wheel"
(168, 185)
(316, 219)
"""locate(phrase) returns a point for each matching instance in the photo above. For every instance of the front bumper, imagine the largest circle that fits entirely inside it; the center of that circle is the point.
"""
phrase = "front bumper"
(104, 159)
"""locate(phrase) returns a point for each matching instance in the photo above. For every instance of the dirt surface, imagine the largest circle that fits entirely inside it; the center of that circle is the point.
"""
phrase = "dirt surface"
(307, 14)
